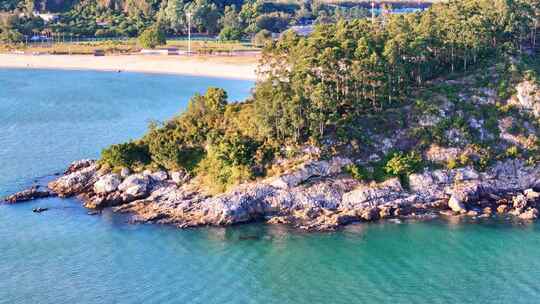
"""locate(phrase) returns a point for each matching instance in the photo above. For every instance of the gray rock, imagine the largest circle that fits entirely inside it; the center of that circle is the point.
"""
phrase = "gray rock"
(531, 195)
(456, 204)
(75, 182)
(529, 214)
(440, 154)
(528, 97)
(125, 172)
(135, 186)
(159, 176)
(373, 195)
(177, 177)
(309, 170)
(78, 165)
(107, 183)
(465, 174)
(32, 193)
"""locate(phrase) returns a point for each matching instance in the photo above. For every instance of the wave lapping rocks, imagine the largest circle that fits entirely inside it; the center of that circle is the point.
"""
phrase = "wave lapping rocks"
(315, 196)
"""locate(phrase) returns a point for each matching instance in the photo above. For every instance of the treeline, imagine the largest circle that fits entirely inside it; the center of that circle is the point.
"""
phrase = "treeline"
(318, 89)
(326, 81)
(232, 19)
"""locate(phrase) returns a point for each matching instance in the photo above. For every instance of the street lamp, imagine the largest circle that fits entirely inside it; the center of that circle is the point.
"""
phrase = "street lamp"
(188, 14)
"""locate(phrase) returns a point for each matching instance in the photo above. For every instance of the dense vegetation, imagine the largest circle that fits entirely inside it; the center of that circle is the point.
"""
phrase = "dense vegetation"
(346, 84)
(232, 19)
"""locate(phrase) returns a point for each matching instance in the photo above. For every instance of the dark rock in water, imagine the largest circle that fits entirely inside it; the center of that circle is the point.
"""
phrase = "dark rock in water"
(27, 195)
(39, 210)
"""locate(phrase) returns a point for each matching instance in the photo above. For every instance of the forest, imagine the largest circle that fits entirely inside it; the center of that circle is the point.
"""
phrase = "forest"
(230, 19)
(334, 88)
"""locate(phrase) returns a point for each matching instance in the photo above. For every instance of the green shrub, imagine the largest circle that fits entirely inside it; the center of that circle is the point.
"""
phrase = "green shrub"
(152, 37)
(130, 155)
(171, 155)
(218, 175)
(229, 161)
(452, 164)
(483, 163)
(235, 150)
(11, 36)
(229, 33)
(512, 152)
(400, 164)
(357, 172)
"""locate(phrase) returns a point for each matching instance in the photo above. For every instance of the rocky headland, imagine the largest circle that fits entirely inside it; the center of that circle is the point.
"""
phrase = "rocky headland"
(316, 196)
(319, 193)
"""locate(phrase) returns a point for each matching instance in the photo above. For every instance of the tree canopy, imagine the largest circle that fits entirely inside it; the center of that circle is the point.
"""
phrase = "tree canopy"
(319, 89)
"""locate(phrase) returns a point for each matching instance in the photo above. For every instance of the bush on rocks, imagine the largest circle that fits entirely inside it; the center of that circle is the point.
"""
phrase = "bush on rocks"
(129, 155)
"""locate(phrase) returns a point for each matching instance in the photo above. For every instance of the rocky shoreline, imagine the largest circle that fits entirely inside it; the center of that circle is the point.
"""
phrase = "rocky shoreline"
(317, 196)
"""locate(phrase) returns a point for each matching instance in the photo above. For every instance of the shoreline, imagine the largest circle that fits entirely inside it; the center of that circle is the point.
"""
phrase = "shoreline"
(509, 189)
(241, 68)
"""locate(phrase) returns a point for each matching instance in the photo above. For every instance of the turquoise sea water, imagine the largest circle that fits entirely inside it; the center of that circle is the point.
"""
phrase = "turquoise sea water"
(49, 118)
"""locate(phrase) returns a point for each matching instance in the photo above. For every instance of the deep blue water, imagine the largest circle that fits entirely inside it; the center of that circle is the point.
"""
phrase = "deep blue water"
(49, 118)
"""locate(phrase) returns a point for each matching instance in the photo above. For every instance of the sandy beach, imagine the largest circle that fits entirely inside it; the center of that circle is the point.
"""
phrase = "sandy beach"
(224, 67)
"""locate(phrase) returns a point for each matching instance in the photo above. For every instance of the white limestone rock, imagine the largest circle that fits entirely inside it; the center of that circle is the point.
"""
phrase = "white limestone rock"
(107, 183)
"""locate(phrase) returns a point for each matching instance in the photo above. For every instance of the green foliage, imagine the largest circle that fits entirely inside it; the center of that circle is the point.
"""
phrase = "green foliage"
(234, 150)
(347, 70)
(400, 164)
(129, 155)
(227, 163)
(357, 172)
(337, 86)
(172, 155)
(274, 22)
(152, 37)
(452, 164)
(512, 152)
(10, 36)
(230, 33)
(206, 16)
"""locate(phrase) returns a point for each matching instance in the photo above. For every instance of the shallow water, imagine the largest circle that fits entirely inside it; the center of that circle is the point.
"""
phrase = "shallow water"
(49, 118)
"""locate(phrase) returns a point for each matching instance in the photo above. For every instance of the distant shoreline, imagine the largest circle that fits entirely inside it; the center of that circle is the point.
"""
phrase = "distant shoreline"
(241, 68)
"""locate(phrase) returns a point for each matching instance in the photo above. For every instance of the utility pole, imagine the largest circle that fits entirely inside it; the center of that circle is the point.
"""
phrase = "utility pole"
(372, 12)
(188, 14)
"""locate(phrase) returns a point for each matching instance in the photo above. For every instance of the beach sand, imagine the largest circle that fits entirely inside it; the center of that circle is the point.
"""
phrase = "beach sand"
(223, 67)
